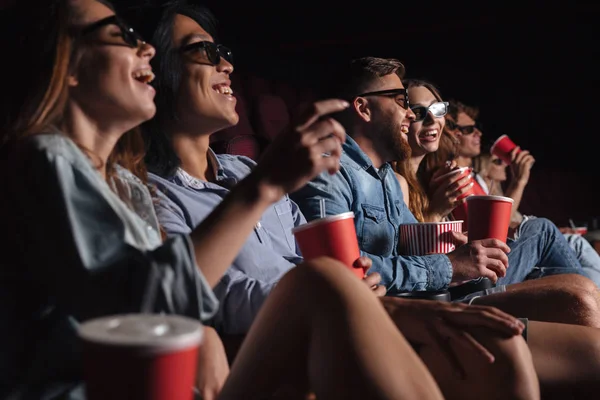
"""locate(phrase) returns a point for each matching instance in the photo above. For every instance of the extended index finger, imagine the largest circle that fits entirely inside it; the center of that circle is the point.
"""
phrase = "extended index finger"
(320, 109)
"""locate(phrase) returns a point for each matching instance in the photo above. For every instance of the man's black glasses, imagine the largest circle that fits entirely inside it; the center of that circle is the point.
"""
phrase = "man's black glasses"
(438, 109)
(464, 129)
(401, 96)
(214, 51)
(130, 37)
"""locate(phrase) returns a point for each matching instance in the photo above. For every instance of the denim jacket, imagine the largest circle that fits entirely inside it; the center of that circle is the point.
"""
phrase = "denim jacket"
(376, 199)
(77, 248)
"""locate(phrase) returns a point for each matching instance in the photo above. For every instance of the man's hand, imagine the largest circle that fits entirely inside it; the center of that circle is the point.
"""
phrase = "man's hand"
(213, 367)
(372, 280)
(479, 258)
(436, 323)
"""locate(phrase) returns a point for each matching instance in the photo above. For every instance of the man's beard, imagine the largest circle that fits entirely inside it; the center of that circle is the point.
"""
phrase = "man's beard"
(392, 144)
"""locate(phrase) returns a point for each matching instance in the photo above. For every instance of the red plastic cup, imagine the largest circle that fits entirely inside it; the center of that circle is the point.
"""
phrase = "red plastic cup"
(140, 357)
(461, 212)
(333, 236)
(489, 217)
(422, 238)
(581, 230)
(502, 148)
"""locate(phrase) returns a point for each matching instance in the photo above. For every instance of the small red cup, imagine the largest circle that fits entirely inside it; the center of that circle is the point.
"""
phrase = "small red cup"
(140, 357)
(422, 238)
(333, 236)
(502, 148)
(489, 217)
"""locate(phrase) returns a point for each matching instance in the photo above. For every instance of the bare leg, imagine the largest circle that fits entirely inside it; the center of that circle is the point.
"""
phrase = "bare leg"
(568, 298)
(511, 376)
(566, 359)
(322, 322)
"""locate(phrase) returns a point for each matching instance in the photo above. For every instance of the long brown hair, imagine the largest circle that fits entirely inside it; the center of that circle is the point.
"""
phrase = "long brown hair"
(35, 99)
(419, 181)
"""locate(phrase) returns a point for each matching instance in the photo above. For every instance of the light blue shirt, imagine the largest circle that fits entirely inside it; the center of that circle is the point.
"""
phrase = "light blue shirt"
(376, 199)
(75, 248)
(269, 252)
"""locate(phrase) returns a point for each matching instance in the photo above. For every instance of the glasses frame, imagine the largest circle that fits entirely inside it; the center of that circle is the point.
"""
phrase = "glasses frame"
(214, 52)
(465, 130)
(389, 93)
(129, 35)
(427, 110)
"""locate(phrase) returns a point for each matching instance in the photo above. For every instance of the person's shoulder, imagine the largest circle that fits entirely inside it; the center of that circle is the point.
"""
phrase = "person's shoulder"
(45, 148)
(238, 165)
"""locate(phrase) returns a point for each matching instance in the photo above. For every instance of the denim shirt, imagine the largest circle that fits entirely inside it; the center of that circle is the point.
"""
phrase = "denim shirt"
(376, 199)
(268, 253)
(78, 248)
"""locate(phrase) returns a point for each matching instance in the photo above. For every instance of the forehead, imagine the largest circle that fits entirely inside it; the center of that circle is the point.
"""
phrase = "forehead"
(86, 12)
(421, 95)
(186, 30)
(464, 119)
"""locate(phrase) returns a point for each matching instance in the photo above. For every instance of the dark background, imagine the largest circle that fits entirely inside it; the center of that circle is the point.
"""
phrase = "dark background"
(531, 68)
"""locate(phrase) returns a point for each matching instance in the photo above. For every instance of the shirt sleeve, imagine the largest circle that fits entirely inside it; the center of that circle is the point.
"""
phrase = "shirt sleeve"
(73, 245)
(398, 273)
(240, 295)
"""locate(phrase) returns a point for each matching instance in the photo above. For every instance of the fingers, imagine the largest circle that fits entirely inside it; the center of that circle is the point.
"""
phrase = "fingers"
(372, 279)
(365, 263)
(484, 316)
(464, 339)
(319, 109)
(380, 290)
(442, 334)
(459, 238)
(321, 130)
(497, 266)
(495, 243)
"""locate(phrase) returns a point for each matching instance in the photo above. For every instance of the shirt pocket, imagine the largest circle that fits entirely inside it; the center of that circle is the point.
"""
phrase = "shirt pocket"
(376, 233)
(283, 209)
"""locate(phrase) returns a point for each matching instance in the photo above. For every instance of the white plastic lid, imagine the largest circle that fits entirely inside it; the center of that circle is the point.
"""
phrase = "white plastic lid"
(490, 197)
(157, 331)
(330, 218)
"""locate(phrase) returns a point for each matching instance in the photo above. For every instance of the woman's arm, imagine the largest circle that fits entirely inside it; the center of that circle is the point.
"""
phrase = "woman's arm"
(295, 157)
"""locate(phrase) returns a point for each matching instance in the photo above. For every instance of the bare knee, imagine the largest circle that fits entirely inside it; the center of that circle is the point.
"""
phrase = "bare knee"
(510, 376)
(512, 373)
(581, 297)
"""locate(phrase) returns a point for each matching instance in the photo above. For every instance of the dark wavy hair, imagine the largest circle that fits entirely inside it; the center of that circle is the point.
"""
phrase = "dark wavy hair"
(155, 22)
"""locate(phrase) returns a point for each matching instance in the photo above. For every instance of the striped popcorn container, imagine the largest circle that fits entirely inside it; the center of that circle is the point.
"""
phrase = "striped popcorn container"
(424, 238)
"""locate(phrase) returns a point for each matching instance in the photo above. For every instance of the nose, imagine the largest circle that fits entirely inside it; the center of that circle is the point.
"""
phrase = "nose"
(429, 118)
(146, 50)
(225, 66)
(410, 114)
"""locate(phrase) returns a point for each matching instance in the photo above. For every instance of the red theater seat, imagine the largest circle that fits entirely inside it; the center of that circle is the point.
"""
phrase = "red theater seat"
(270, 116)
